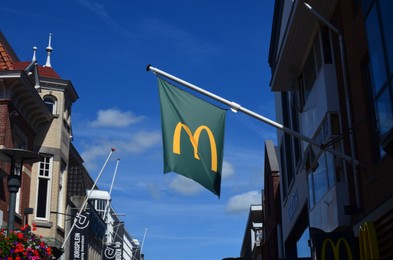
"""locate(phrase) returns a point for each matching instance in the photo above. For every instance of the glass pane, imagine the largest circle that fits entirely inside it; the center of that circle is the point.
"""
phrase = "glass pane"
(385, 116)
(327, 51)
(318, 55)
(303, 248)
(309, 73)
(310, 191)
(330, 169)
(377, 68)
(49, 104)
(42, 197)
(339, 165)
(386, 7)
(320, 180)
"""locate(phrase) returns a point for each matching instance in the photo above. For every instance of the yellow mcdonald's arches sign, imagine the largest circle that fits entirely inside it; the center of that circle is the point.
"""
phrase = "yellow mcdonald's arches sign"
(368, 243)
(194, 139)
(335, 247)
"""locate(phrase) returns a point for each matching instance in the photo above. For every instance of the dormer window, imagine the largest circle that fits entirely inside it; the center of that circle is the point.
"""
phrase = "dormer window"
(50, 103)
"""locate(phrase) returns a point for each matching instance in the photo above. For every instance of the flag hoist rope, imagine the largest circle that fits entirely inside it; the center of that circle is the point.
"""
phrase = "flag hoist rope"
(236, 107)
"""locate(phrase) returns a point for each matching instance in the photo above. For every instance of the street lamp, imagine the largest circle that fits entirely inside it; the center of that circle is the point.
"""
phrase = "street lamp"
(17, 158)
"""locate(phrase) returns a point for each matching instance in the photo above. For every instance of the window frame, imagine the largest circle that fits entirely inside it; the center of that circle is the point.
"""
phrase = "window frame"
(42, 168)
(51, 103)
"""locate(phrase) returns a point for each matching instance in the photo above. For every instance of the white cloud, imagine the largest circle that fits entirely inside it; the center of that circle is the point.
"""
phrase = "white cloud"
(185, 186)
(142, 141)
(135, 144)
(154, 190)
(227, 170)
(241, 203)
(115, 118)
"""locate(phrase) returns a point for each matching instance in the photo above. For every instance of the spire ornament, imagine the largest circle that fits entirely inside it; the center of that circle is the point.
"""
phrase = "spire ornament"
(49, 49)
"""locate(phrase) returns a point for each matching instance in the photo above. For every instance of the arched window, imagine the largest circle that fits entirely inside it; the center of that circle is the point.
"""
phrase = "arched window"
(50, 103)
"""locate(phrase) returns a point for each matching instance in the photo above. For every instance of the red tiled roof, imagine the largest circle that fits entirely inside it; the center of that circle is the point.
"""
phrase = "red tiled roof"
(9, 61)
(42, 71)
(5, 59)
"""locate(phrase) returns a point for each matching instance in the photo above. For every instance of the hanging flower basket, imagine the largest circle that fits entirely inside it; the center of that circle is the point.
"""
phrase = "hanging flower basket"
(23, 244)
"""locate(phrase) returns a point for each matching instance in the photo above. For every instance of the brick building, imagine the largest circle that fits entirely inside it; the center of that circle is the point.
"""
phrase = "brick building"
(22, 115)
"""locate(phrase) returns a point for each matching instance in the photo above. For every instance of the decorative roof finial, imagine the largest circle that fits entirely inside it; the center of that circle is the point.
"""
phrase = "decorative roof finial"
(49, 50)
(34, 54)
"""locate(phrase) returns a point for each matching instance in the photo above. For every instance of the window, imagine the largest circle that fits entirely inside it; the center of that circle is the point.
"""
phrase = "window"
(60, 201)
(50, 103)
(379, 27)
(320, 53)
(283, 180)
(286, 148)
(44, 188)
(302, 245)
(327, 50)
(100, 207)
(323, 168)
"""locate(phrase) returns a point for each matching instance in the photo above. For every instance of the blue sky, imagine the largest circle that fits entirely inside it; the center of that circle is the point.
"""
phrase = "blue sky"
(103, 47)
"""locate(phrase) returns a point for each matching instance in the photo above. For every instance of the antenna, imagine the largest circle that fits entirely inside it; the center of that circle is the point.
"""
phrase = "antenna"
(49, 49)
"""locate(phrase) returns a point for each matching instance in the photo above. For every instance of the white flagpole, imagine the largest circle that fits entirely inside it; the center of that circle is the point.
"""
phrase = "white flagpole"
(108, 201)
(236, 107)
(143, 240)
(107, 207)
(88, 196)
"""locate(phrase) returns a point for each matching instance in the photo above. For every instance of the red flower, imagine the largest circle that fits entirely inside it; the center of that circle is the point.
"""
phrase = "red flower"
(34, 226)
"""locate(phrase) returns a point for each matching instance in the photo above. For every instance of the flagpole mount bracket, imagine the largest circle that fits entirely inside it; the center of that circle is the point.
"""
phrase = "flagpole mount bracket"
(234, 107)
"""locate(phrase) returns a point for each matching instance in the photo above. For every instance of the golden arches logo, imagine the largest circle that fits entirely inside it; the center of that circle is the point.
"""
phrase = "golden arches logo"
(336, 249)
(368, 241)
(194, 139)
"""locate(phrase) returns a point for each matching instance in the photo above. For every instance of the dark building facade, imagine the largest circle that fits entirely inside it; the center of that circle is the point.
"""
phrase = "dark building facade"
(332, 69)
(271, 205)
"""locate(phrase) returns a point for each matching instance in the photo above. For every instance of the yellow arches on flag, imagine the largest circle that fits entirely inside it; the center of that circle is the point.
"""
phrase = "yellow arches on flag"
(194, 139)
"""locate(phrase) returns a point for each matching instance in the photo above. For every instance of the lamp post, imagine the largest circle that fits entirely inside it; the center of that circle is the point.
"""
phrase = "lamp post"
(17, 158)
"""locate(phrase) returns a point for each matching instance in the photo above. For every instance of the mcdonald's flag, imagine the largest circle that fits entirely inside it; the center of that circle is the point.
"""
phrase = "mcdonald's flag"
(193, 136)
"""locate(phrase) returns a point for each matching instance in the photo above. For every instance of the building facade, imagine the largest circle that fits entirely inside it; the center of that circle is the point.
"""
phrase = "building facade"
(52, 185)
(331, 64)
(22, 114)
(253, 235)
(271, 204)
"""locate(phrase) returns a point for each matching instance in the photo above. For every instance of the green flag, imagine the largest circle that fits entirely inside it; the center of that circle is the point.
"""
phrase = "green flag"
(193, 136)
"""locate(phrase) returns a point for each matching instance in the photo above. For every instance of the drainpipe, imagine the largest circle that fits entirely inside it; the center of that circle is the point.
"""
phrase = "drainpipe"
(347, 99)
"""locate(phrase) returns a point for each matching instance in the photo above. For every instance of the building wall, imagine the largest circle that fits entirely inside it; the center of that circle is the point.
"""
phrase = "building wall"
(361, 193)
(272, 243)
(50, 143)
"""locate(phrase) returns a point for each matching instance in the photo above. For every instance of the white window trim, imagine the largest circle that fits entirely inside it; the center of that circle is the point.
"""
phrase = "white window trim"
(49, 191)
(61, 197)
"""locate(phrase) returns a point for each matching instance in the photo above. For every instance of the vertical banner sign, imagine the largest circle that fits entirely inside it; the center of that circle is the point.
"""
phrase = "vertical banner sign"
(115, 250)
(78, 241)
(193, 136)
